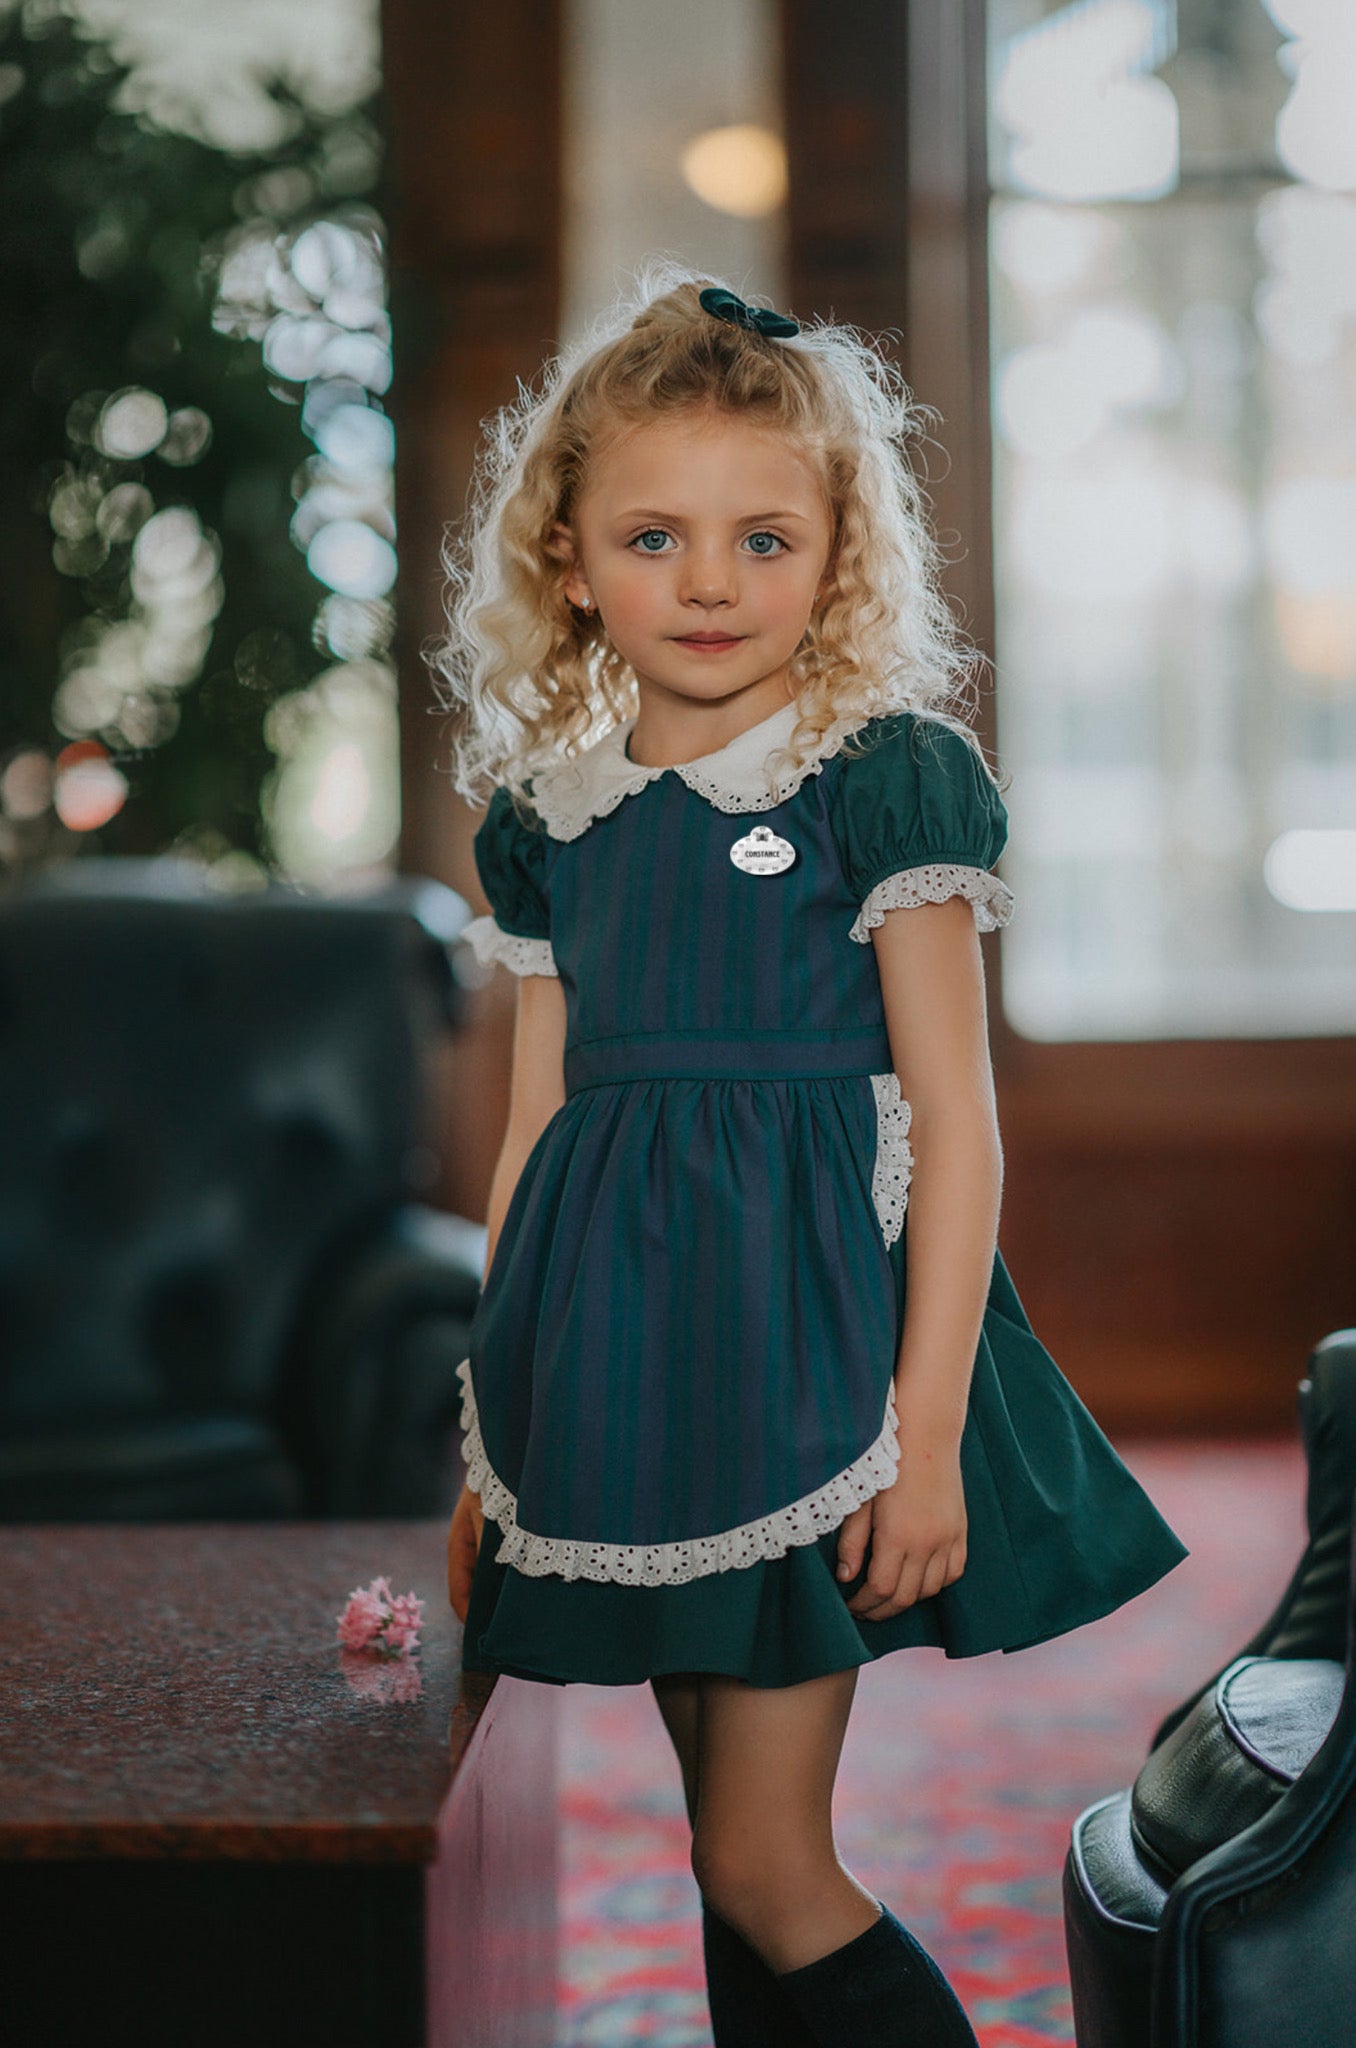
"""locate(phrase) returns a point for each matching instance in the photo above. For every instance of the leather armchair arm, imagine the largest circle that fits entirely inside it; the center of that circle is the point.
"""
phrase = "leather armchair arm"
(1308, 1619)
(1216, 1953)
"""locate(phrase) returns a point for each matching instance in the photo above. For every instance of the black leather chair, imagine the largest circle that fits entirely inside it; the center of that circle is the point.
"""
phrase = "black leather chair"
(219, 1297)
(1213, 1904)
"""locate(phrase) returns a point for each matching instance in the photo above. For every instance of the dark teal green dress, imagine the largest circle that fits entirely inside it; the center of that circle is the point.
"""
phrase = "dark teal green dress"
(680, 1372)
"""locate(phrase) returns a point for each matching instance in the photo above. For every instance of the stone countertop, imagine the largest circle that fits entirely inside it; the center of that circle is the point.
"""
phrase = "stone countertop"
(176, 1691)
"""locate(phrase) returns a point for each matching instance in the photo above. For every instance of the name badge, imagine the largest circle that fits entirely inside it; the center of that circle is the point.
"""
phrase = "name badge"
(761, 852)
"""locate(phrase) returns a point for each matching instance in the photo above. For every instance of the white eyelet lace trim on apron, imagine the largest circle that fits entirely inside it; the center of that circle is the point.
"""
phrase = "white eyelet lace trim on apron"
(894, 1155)
(991, 900)
(489, 941)
(674, 1564)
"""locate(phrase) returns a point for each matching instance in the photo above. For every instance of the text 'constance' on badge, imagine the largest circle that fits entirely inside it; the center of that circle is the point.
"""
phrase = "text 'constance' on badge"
(761, 852)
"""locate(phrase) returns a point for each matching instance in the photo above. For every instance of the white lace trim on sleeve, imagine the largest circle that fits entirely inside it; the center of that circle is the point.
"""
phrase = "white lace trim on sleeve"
(674, 1564)
(991, 899)
(489, 942)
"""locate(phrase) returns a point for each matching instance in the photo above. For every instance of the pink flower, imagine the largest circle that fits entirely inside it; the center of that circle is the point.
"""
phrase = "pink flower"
(377, 1620)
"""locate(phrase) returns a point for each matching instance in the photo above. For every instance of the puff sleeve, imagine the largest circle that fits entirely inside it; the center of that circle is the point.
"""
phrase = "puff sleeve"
(917, 819)
(511, 862)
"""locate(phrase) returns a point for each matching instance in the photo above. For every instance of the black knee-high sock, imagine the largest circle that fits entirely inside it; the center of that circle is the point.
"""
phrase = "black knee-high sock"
(749, 2009)
(880, 1990)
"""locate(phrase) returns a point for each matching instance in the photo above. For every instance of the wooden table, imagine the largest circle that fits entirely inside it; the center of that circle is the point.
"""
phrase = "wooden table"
(218, 1830)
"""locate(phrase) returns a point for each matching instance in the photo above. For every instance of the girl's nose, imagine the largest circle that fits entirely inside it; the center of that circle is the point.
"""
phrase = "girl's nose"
(709, 578)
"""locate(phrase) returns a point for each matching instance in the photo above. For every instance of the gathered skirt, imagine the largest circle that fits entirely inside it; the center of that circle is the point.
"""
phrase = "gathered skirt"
(1060, 1532)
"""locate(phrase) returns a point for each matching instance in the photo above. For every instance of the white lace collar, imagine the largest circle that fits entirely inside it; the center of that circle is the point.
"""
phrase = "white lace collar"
(570, 795)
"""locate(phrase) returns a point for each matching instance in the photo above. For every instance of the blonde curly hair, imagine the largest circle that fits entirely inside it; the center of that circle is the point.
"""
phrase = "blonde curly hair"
(528, 679)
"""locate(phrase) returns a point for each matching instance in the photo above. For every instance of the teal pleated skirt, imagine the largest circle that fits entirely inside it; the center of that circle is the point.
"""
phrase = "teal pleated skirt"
(1060, 1533)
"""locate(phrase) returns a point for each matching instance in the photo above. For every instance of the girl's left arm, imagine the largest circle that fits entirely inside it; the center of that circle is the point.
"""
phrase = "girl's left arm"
(932, 983)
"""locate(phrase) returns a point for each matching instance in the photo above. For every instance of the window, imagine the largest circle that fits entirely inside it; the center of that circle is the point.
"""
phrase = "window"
(1173, 290)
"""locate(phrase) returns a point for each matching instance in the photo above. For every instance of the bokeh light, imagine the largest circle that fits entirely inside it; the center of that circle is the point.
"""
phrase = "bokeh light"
(332, 803)
(1307, 870)
(739, 170)
(314, 300)
(131, 424)
(88, 789)
(1046, 249)
(1085, 119)
(26, 784)
(1315, 135)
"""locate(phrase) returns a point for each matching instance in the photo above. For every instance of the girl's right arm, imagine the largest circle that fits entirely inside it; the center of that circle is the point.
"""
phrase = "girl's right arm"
(536, 1088)
(536, 1092)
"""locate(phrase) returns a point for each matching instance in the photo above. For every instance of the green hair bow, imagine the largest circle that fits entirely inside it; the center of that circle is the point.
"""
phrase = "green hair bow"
(727, 306)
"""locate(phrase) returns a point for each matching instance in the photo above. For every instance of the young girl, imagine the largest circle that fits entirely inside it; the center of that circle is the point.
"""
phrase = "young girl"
(739, 849)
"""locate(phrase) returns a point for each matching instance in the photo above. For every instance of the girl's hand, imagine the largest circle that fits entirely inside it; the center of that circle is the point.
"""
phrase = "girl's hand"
(463, 1545)
(917, 1531)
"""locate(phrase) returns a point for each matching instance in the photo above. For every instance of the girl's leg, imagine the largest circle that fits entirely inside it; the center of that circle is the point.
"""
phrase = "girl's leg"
(749, 2009)
(763, 1848)
(765, 1858)
(678, 1696)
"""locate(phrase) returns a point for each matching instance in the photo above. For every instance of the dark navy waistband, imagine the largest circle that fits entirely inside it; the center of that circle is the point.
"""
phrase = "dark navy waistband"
(721, 1055)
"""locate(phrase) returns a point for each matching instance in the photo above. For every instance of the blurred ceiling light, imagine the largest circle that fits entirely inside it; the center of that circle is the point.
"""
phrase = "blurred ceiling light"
(739, 170)
(1046, 249)
(1315, 139)
(88, 790)
(1086, 122)
(131, 424)
(1311, 870)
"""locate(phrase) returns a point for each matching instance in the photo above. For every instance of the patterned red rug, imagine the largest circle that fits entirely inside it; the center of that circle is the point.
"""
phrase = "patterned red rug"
(959, 1781)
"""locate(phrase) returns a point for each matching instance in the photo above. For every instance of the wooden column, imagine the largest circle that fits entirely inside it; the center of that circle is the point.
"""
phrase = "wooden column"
(472, 102)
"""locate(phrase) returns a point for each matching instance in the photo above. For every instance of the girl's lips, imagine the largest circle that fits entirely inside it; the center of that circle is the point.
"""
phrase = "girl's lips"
(710, 643)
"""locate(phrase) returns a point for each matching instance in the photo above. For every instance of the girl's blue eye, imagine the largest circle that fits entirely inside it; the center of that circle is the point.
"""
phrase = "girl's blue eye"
(777, 543)
(651, 533)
